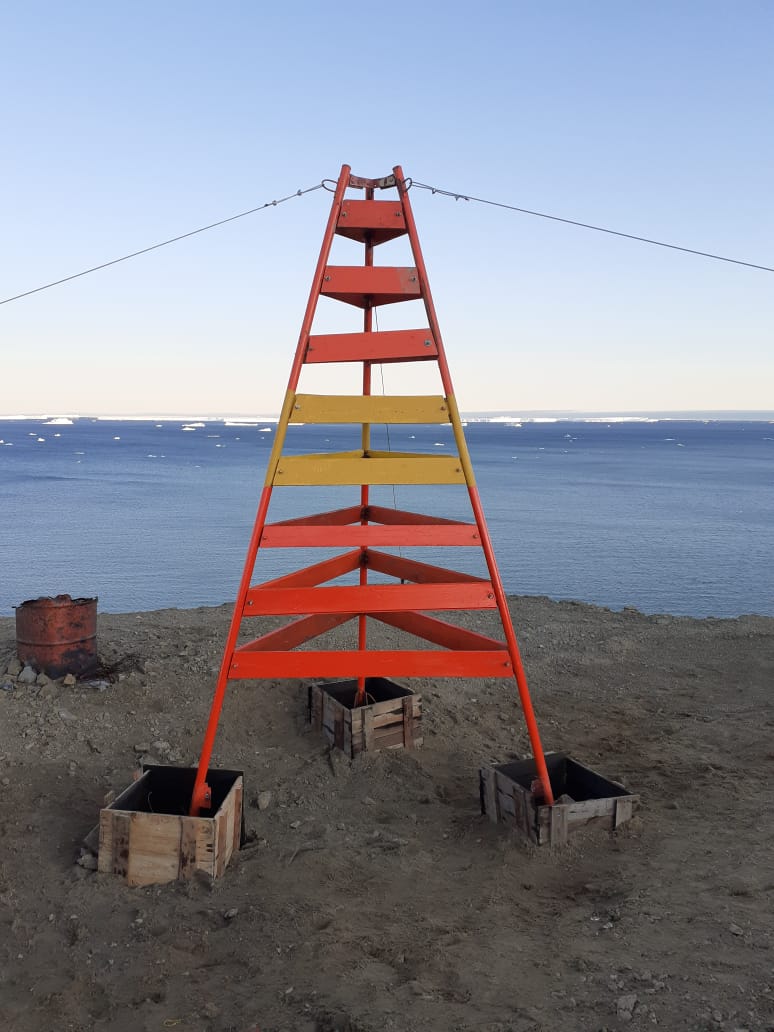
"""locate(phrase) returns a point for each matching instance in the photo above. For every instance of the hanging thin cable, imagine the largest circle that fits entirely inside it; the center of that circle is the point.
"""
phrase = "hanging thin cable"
(586, 225)
(163, 243)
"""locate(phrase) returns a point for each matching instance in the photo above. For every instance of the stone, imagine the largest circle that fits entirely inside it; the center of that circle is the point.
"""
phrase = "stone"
(69, 680)
(231, 913)
(14, 668)
(27, 676)
(625, 1006)
(42, 680)
(264, 800)
(735, 929)
(6, 686)
(87, 860)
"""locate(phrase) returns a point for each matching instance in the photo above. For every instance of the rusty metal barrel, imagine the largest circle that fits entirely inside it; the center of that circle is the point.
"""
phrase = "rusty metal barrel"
(58, 636)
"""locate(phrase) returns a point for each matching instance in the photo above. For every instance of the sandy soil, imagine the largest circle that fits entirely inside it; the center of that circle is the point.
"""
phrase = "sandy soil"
(373, 895)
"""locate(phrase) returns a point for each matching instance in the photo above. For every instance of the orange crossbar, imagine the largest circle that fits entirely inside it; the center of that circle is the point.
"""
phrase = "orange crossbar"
(419, 573)
(369, 534)
(334, 518)
(439, 632)
(296, 633)
(371, 663)
(380, 514)
(369, 598)
(319, 573)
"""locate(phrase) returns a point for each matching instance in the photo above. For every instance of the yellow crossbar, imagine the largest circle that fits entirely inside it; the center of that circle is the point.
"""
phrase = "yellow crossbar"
(372, 408)
(384, 468)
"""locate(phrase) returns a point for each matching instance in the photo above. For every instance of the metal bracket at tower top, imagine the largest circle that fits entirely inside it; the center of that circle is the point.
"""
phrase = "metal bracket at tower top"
(359, 183)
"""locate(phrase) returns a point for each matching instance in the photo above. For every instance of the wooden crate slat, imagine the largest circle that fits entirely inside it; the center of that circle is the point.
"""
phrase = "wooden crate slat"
(384, 715)
(189, 847)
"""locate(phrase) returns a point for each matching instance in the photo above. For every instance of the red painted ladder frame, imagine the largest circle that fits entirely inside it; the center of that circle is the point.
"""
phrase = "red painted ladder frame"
(421, 587)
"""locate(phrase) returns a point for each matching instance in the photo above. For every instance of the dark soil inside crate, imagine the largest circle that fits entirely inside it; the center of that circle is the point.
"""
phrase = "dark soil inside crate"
(567, 777)
(168, 790)
(378, 689)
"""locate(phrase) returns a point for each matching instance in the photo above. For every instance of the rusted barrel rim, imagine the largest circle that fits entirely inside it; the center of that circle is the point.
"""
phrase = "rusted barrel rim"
(49, 601)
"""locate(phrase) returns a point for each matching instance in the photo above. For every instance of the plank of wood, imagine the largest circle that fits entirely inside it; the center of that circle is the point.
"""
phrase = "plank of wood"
(384, 738)
(238, 793)
(154, 849)
(338, 728)
(121, 833)
(368, 729)
(390, 708)
(221, 843)
(342, 470)
(586, 809)
(408, 723)
(316, 707)
(491, 807)
(369, 408)
(624, 807)
(188, 847)
(558, 825)
(394, 715)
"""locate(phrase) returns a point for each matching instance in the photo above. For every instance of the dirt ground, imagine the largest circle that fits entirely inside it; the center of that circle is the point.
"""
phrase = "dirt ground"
(373, 896)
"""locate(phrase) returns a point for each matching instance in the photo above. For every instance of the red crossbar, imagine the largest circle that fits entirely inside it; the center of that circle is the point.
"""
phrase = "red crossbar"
(369, 598)
(296, 633)
(439, 632)
(300, 536)
(370, 663)
(420, 573)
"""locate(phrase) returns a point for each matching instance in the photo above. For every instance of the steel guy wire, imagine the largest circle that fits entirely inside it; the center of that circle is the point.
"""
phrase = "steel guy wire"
(162, 243)
(586, 225)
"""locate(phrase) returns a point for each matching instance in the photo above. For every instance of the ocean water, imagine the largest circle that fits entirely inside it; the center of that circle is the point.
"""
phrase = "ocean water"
(668, 516)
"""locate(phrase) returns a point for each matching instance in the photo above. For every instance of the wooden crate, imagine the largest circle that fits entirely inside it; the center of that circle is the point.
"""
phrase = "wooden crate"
(147, 837)
(584, 799)
(392, 719)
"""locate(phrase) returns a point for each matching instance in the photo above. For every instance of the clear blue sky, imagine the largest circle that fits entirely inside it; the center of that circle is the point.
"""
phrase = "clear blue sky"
(125, 124)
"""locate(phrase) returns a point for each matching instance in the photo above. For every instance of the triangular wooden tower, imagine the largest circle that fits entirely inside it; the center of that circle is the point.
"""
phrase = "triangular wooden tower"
(306, 595)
